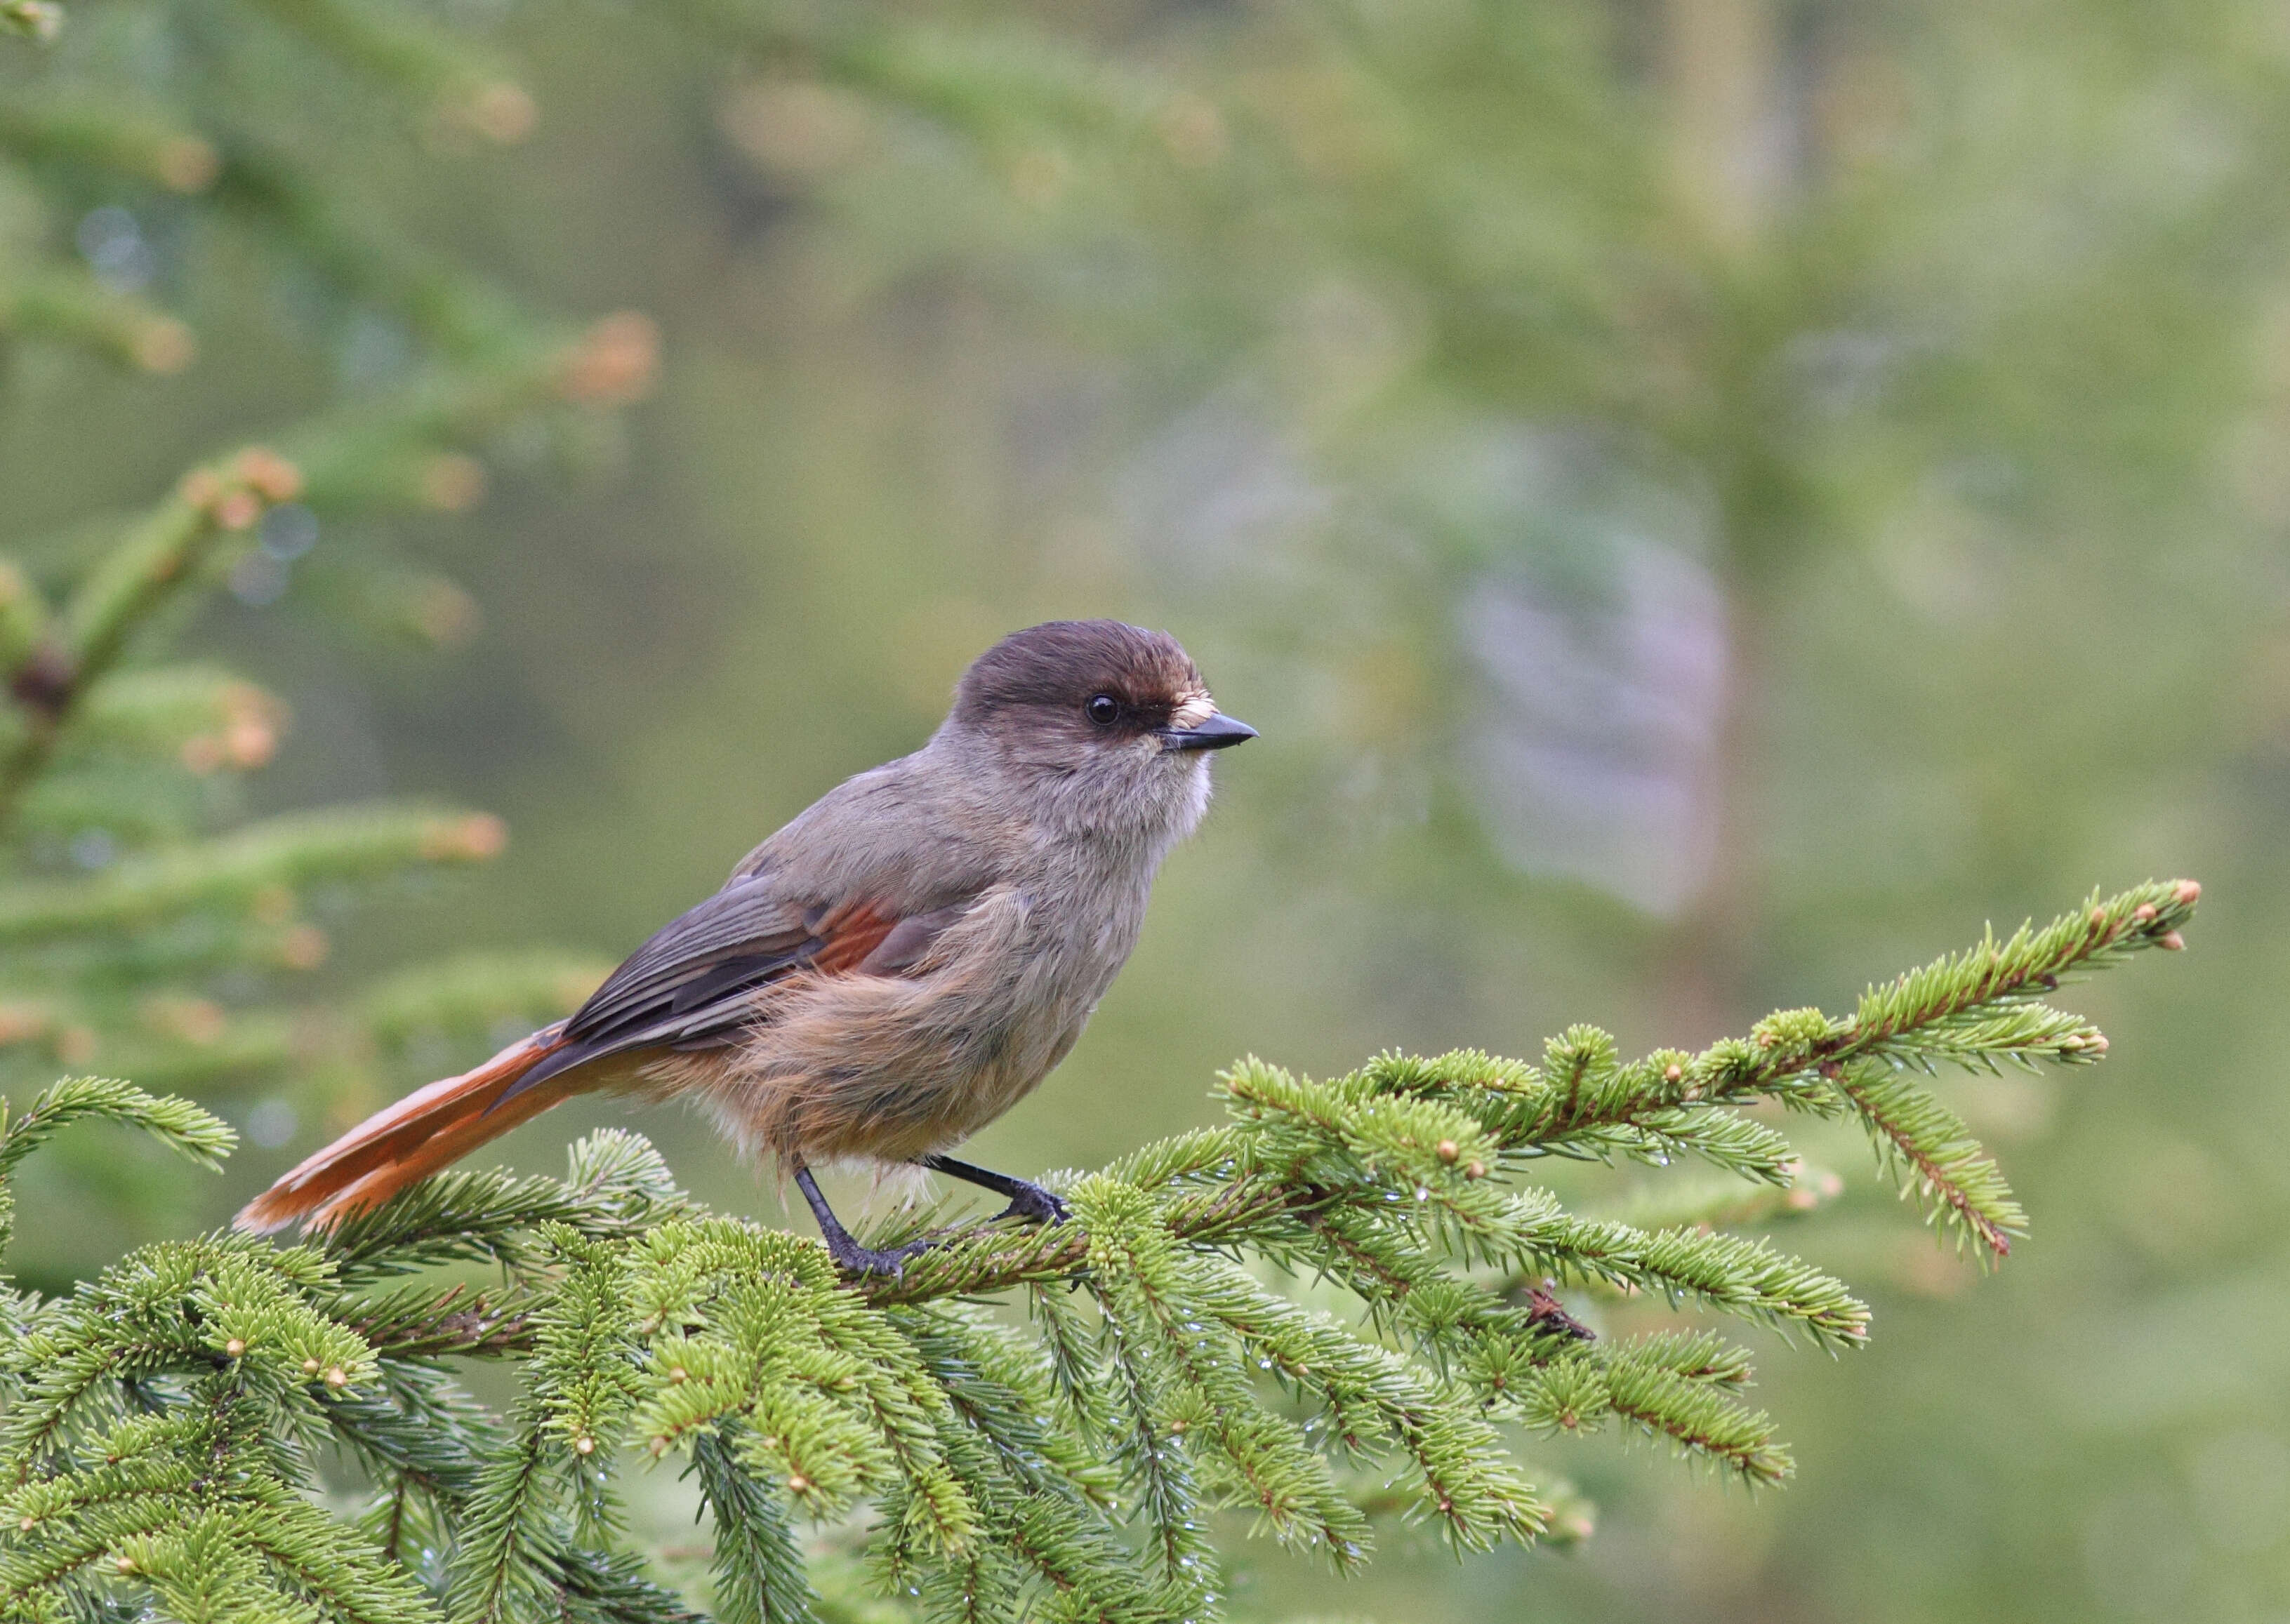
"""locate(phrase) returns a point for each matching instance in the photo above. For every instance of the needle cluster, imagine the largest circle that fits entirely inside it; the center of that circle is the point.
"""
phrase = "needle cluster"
(1349, 1303)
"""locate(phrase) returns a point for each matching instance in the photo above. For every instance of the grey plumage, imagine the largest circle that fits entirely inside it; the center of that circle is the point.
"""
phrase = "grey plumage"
(905, 958)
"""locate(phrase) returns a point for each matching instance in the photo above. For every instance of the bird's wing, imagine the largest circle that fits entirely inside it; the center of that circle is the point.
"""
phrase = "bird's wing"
(691, 986)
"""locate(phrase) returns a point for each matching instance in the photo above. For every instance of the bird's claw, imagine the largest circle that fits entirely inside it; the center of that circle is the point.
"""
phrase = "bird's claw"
(1033, 1203)
(1037, 1205)
(852, 1259)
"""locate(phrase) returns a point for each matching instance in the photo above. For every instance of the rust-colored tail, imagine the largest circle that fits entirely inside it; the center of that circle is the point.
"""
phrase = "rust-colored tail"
(429, 1129)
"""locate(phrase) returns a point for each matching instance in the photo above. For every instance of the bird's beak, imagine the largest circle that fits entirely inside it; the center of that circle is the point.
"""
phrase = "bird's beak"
(1218, 732)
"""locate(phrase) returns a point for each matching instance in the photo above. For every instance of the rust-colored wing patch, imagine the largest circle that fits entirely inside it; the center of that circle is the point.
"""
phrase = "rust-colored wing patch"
(847, 936)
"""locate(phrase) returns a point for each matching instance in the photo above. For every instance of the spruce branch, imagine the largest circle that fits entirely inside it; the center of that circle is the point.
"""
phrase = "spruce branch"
(397, 45)
(759, 1573)
(418, 1323)
(110, 133)
(216, 506)
(178, 1124)
(616, 1187)
(159, 1426)
(1712, 1203)
(509, 1528)
(293, 849)
(73, 307)
(1940, 1163)
(157, 1423)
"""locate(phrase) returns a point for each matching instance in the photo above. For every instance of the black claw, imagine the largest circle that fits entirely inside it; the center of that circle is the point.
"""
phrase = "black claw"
(1027, 1200)
(849, 1255)
(853, 1258)
(1036, 1205)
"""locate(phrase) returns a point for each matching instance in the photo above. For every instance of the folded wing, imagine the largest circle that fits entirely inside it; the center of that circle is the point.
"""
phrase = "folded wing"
(693, 985)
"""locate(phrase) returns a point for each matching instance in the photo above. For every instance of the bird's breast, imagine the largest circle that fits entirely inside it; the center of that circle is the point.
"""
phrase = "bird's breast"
(898, 1066)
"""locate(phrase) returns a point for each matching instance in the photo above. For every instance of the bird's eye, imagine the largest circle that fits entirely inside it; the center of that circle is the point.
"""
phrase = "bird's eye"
(1103, 709)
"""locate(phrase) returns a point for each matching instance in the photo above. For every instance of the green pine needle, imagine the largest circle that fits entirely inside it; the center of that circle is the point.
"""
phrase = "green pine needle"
(159, 1426)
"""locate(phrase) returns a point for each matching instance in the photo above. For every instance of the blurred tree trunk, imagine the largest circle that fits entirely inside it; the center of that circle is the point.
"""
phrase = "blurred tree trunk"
(1720, 61)
(1721, 80)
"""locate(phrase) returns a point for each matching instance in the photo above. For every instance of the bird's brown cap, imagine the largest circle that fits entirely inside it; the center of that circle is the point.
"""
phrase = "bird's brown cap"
(1062, 664)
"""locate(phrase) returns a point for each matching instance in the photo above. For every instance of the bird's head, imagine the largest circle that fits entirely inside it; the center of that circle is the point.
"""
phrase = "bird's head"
(1103, 724)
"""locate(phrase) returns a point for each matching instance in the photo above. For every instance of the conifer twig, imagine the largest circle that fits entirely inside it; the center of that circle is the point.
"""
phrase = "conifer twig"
(165, 552)
(156, 1420)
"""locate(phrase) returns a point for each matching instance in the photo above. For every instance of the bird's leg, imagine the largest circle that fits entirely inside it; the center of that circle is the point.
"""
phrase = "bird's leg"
(847, 1252)
(1027, 1200)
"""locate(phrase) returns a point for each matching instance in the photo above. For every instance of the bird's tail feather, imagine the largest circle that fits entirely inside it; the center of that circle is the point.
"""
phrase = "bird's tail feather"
(427, 1130)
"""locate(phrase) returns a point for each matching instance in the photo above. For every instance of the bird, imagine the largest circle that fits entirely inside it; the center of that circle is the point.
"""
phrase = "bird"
(896, 967)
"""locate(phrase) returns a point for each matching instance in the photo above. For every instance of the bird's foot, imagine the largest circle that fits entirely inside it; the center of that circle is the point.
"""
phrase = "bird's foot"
(849, 1255)
(1027, 1200)
(1034, 1203)
(852, 1259)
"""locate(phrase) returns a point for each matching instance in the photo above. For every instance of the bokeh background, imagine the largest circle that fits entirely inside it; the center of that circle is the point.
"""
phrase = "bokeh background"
(1708, 502)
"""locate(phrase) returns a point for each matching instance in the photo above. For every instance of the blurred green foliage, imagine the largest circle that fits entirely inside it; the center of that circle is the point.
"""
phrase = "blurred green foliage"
(1699, 495)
